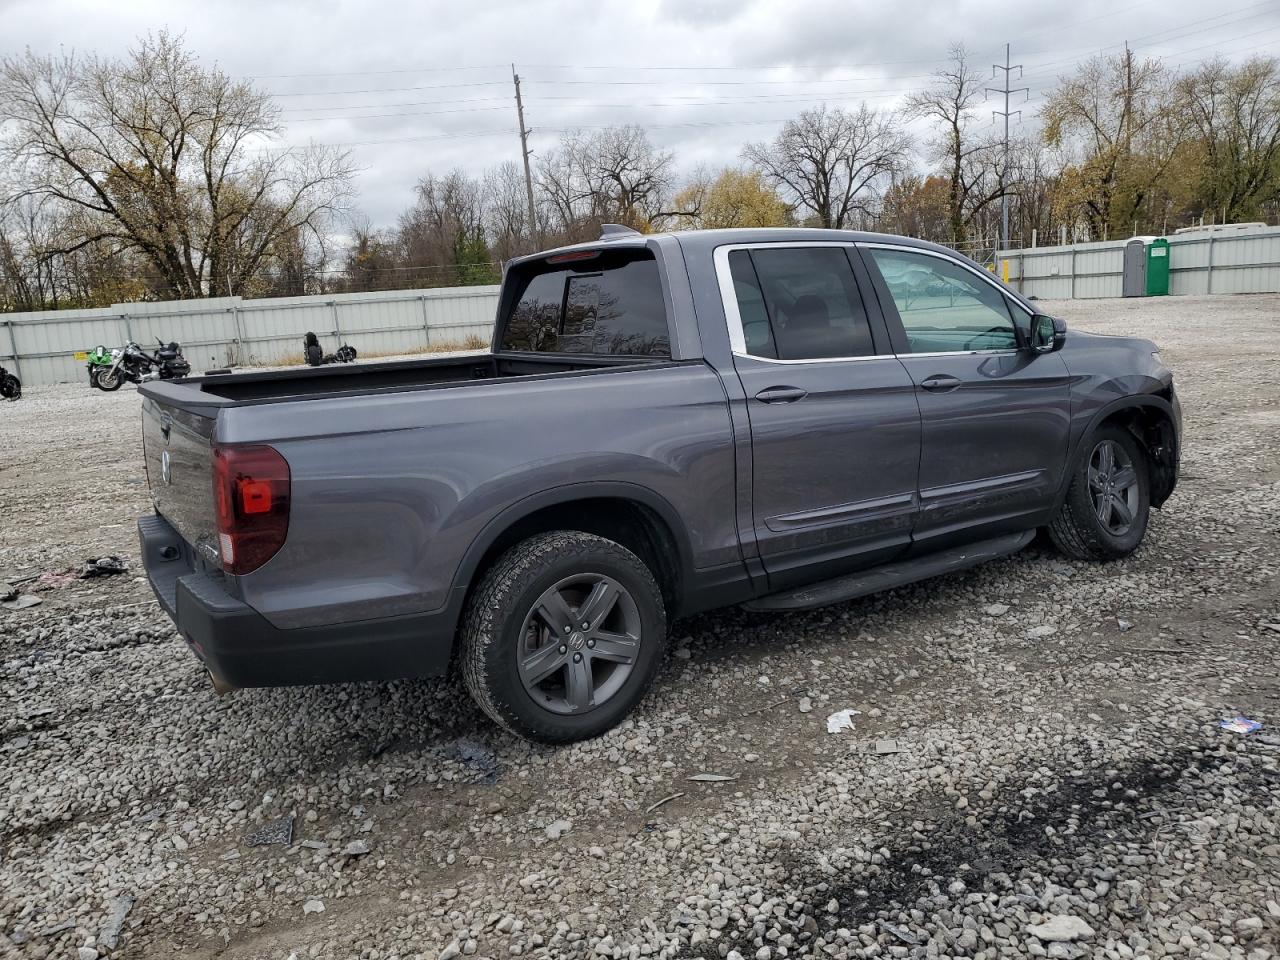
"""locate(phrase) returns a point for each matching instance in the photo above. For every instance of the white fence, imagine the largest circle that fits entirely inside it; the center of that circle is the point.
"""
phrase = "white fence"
(39, 347)
(1246, 262)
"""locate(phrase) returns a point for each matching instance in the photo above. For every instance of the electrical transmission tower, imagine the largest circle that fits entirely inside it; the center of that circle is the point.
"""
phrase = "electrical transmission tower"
(1008, 69)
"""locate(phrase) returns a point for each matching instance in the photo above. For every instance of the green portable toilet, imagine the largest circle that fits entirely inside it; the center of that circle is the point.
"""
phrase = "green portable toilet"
(1158, 268)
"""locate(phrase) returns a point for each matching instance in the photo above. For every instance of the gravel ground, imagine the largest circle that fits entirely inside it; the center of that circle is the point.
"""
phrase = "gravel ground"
(1060, 788)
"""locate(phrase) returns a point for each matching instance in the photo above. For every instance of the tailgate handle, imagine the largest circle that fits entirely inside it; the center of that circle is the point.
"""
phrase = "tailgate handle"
(780, 394)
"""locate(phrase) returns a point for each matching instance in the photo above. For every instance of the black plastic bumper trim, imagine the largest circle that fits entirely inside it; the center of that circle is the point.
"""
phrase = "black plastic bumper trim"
(243, 649)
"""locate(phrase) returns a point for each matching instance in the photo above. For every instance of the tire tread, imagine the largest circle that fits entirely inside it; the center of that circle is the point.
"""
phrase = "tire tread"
(489, 604)
(1074, 528)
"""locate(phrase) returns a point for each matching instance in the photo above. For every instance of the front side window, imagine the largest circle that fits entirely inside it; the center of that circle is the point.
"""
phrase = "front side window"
(610, 304)
(799, 303)
(944, 307)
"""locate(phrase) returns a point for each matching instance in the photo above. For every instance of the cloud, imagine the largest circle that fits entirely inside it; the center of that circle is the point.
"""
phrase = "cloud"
(426, 86)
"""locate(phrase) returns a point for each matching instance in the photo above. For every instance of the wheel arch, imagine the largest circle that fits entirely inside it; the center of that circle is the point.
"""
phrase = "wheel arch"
(1152, 421)
(631, 515)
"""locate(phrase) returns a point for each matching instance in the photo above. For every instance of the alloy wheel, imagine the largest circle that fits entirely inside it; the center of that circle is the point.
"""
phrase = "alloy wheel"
(579, 643)
(1113, 486)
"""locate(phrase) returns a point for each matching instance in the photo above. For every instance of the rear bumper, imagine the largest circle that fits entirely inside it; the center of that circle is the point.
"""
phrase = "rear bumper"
(242, 648)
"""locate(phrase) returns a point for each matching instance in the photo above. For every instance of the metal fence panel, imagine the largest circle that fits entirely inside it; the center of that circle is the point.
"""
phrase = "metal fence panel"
(228, 331)
(1203, 263)
(41, 344)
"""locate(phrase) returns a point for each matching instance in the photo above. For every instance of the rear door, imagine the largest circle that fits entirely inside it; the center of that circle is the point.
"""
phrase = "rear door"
(835, 428)
(995, 418)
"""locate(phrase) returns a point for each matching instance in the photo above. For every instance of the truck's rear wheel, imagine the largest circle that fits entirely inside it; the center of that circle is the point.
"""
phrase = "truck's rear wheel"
(1104, 515)
(563, 636)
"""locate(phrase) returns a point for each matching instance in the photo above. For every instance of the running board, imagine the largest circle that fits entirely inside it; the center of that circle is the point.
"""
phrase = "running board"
(891, 575)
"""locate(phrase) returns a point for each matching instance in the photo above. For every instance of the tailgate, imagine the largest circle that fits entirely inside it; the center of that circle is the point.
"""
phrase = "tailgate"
(176, 446)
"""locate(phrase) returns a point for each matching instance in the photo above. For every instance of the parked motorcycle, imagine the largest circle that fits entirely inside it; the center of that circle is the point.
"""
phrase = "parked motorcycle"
(10, 386)
(134, 364)
(96, 360)
(316, 357)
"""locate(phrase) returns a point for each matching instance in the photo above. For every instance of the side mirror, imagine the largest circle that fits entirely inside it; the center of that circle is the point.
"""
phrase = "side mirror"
(1047, 334)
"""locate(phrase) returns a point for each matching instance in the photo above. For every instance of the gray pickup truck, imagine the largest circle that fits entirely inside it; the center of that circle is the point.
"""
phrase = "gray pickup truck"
(665, 424)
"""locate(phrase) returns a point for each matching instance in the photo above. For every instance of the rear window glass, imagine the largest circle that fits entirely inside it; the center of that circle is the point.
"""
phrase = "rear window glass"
(611, 304)
(799, 303)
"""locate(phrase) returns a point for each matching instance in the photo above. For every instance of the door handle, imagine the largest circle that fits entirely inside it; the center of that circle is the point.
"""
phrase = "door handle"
(781, 394)
(939, 383)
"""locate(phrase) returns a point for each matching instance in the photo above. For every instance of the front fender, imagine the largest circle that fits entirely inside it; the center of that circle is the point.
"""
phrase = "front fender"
(1171, 413)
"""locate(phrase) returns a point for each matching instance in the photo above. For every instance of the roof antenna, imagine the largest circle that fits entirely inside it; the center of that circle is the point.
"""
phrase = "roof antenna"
(608, 230)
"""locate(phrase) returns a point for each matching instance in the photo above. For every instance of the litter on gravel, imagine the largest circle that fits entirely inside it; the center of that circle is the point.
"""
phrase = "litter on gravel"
(1240, 725)
(21, 601)
(277, 831)
(479, 758)
(103, 567)
(710, 778)
(109, 935)
(841, 720)
(906, 936)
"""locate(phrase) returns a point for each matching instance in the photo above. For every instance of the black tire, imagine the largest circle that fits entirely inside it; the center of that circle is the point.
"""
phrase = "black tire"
(501, 610)
(1077, 530)
(11, 388)
(108, 382)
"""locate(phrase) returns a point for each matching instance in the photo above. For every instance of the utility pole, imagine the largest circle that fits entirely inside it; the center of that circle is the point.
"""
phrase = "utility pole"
(524, 155)
(1008, 68)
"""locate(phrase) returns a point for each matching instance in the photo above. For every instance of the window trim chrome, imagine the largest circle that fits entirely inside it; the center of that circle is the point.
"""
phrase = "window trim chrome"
(733, 316)
(977, 271)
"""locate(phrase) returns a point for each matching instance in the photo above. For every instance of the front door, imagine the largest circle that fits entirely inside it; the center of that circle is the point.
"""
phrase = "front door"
(835, 427)
(995, 418)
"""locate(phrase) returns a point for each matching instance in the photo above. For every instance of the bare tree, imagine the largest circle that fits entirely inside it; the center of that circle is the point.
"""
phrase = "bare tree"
(507, 211)
(614, 174)
(832, 162)
(971, 162)
(443, 235)
(157, 155)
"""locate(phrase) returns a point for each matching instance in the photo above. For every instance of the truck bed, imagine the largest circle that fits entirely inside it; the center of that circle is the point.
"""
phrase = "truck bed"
(336, 380)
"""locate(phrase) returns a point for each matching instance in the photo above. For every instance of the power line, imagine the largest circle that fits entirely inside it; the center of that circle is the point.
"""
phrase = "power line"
(383, 116)
(825, 96)
(433, 86)
(1071, 60)
(724, 83)
(667, 101)
(367, 73)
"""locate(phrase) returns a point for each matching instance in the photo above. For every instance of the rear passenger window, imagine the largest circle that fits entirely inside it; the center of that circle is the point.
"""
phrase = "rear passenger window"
(799, 303)
(610, 304)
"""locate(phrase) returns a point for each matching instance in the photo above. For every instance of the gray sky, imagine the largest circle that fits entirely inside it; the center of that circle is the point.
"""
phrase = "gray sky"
(425, 86)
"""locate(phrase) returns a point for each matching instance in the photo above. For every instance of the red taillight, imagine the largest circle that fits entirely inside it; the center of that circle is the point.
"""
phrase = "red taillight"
(251, 496)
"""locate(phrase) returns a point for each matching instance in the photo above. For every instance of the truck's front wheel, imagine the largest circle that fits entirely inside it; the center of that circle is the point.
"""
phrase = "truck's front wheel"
(563, 636)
